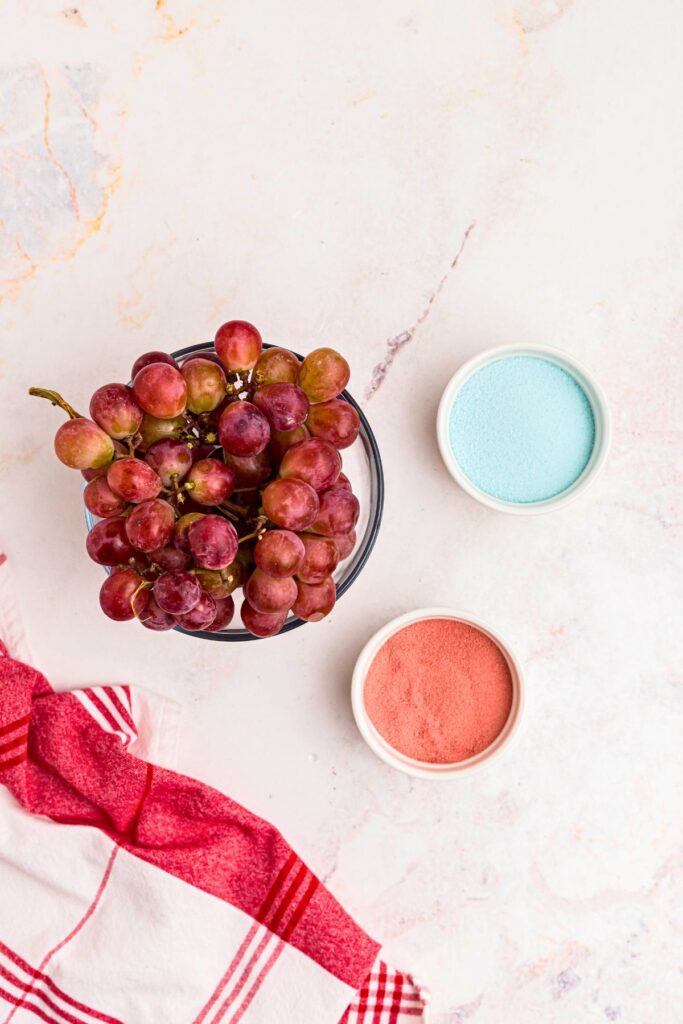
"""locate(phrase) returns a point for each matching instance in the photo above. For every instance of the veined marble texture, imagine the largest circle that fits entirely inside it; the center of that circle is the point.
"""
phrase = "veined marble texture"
(410, 181)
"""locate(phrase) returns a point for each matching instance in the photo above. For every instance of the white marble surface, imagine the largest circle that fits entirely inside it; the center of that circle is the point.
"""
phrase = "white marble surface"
(411, 182)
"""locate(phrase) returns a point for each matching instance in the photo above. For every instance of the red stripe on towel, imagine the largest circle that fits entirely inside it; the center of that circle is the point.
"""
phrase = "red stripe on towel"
(17, 1002)
(397, 1000)
(15, 725)
(77, 927)
(14, 761)
(232, 967)
(121, 708)
(104, 710)
(262, 918)
(277, 884)
(300, 910)
(287, 899)
(26, 989)
(265, 971)
(244, 978)
(18, 741)
(49, 984)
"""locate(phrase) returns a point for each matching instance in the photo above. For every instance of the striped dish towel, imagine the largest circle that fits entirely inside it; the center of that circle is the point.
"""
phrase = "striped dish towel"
(131, 894)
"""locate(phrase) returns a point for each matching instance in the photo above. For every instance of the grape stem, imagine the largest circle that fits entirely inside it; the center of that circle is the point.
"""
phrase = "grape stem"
(133, 441)
(238, 385)
(56, 399)
(228, 514)
(144, 585)
(258, 532)
(239, 509)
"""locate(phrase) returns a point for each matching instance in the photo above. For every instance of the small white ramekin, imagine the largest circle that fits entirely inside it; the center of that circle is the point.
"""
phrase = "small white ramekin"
(425, 769)
(593, 393)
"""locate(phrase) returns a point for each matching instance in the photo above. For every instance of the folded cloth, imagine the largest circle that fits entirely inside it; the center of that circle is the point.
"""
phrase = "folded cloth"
(135, 895)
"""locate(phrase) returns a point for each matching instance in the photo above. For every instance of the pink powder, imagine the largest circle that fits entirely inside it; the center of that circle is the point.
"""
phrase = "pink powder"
(439, 691)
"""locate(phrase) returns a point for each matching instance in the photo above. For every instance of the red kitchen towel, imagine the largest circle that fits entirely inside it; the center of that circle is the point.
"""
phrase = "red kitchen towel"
(131, 894)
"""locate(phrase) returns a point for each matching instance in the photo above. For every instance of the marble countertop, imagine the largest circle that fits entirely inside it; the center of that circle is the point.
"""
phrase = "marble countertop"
(410, 182)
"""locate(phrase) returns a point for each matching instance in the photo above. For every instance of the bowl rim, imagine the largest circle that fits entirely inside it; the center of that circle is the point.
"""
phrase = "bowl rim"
(426, 769)
(591, 388)
(371, 532)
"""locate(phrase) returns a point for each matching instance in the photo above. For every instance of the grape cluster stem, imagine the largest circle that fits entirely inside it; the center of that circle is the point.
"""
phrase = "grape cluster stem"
(56, 399)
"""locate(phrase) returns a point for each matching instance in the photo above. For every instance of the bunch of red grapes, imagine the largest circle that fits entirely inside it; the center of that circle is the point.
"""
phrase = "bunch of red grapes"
(219, 473)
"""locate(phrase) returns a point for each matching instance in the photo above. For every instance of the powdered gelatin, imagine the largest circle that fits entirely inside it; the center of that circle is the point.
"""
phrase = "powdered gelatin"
(439, 691)
(522, 429)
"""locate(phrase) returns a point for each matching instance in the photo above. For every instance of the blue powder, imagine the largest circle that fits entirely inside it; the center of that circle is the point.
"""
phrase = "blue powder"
(522, 429)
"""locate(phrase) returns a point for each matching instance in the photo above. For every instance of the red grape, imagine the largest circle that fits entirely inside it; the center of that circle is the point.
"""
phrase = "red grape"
(238, 345)
(315, 600)
(150, 525)
(245, 560)
(282, 440)
(151, 357)
(134, 480)
(213, 542)
(94, 474)
(335, 421)
(284, 405)
(212, 482)
(182, 526)
(225, 609)
(154, 618)
(121, 596)
(169, 458)
(211, 356)
(160, 390)
(345, 544)
(320, 560)
(291, 504)
(205, 385)
(107, 542)
(153, 429)
(260, 624)
(243, 429)
(115, 410)
(177, 592)
(316, 462)
(201, 616)
(339, 510)
(275, 366)
(220, 584)
(250, 470)
(81, 444)
(170, 557)
(279, 553)
(323, 375)
(342, 483)
(214, 417)
(101, 500)
(269, 595)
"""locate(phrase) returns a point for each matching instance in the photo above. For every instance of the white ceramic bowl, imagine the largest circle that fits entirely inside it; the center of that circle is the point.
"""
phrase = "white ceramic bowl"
(593, 393)
(425, 769)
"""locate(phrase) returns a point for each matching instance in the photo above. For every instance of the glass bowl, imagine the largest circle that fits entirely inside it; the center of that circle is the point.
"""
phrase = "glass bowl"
(363, 466)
